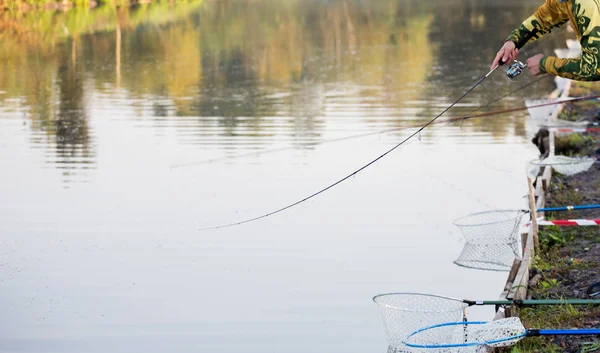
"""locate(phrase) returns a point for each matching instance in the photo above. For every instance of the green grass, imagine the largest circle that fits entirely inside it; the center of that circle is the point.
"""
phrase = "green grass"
(552, 317)
(589, 347)
(557, 256)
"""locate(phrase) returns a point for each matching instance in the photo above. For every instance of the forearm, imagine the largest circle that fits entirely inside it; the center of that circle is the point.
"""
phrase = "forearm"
(527, 27)
(581, 69)
(547, 17)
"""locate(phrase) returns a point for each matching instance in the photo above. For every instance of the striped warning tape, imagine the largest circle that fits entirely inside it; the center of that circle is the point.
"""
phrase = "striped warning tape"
(575, 129)
(568, 222)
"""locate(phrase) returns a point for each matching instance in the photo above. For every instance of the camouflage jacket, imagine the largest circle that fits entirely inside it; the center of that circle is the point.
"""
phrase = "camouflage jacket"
(584, 16)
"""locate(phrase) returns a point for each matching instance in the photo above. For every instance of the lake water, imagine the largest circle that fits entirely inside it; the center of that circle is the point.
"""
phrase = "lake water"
(123, 132)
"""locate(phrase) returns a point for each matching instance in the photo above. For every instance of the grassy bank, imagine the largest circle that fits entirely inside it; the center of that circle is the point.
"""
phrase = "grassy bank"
(568, 260)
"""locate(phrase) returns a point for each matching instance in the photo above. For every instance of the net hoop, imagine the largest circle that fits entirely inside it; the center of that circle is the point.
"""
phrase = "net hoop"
(463, 221)
(568, 161)
(380, 300)
(493, 342)
(497, 227)
(405, 312)
(563, 164)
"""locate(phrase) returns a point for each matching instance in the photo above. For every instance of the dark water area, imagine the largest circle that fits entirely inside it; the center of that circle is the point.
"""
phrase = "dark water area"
(123, 131)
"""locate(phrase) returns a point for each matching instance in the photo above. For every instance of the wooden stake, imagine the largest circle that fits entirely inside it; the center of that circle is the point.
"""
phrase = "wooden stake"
(533, 213)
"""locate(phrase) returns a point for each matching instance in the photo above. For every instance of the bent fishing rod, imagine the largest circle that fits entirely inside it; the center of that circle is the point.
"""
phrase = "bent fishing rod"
(510, 73)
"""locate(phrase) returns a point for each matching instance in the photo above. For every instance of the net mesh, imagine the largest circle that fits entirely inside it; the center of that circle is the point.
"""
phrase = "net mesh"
(455, 336)
(490, 227)
(497, 257)
(403, 313)
(492, 242)
(466, 349)
(562, 164)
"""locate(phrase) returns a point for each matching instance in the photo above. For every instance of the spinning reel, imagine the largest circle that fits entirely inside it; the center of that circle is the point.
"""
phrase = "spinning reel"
(515, 69)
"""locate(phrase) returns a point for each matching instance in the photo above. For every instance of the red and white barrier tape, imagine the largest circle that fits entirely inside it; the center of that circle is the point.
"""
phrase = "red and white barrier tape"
(576, 129)
(568, 222)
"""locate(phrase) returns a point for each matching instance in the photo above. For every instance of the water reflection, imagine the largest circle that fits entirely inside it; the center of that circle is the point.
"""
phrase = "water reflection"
(253, 70)
(74, 147)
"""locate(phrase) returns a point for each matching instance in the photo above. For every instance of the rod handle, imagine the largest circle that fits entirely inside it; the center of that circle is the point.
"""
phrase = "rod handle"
(521, 42)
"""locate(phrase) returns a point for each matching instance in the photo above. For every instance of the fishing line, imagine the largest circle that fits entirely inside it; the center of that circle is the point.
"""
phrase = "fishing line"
(354, 173)
(361, 168)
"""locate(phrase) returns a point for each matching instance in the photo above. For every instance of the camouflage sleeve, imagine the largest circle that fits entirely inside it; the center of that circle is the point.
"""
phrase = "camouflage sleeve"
(547, 17)
(584, 68)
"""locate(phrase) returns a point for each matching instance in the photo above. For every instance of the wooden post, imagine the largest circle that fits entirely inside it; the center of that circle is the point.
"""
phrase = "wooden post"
(524, 242)
(546, 176)
(533, 213)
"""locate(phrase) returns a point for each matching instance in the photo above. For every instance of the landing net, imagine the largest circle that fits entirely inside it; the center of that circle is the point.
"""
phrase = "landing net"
(492, 242)
(403, 313)
(563, 164)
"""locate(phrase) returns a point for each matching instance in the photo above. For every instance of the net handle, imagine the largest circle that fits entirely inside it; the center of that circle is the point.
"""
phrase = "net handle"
(572, 332)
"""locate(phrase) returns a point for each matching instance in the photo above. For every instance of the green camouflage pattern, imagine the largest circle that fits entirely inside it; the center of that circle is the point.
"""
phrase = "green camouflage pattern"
(584, 16)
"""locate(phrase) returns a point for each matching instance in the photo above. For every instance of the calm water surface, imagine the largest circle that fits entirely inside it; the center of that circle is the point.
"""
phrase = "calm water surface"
(123, 132)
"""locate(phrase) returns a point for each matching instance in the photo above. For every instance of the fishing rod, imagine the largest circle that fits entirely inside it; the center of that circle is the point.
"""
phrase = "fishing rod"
(510, 110)
(447, 121)
(351, 137)
(418, 131)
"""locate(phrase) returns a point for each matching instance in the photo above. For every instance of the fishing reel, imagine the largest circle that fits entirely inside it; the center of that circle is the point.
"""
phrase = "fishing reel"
(515, 69)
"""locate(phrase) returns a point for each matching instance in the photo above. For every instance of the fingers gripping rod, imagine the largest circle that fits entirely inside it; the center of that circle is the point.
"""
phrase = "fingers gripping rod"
(517, 67)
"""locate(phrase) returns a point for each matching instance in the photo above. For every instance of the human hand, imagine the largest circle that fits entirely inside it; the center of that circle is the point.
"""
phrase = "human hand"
(533, 64)
(507, 53)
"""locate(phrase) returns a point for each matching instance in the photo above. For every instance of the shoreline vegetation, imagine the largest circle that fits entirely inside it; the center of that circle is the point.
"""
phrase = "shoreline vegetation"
(44, 24)
(65, 5)
(569, 257)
